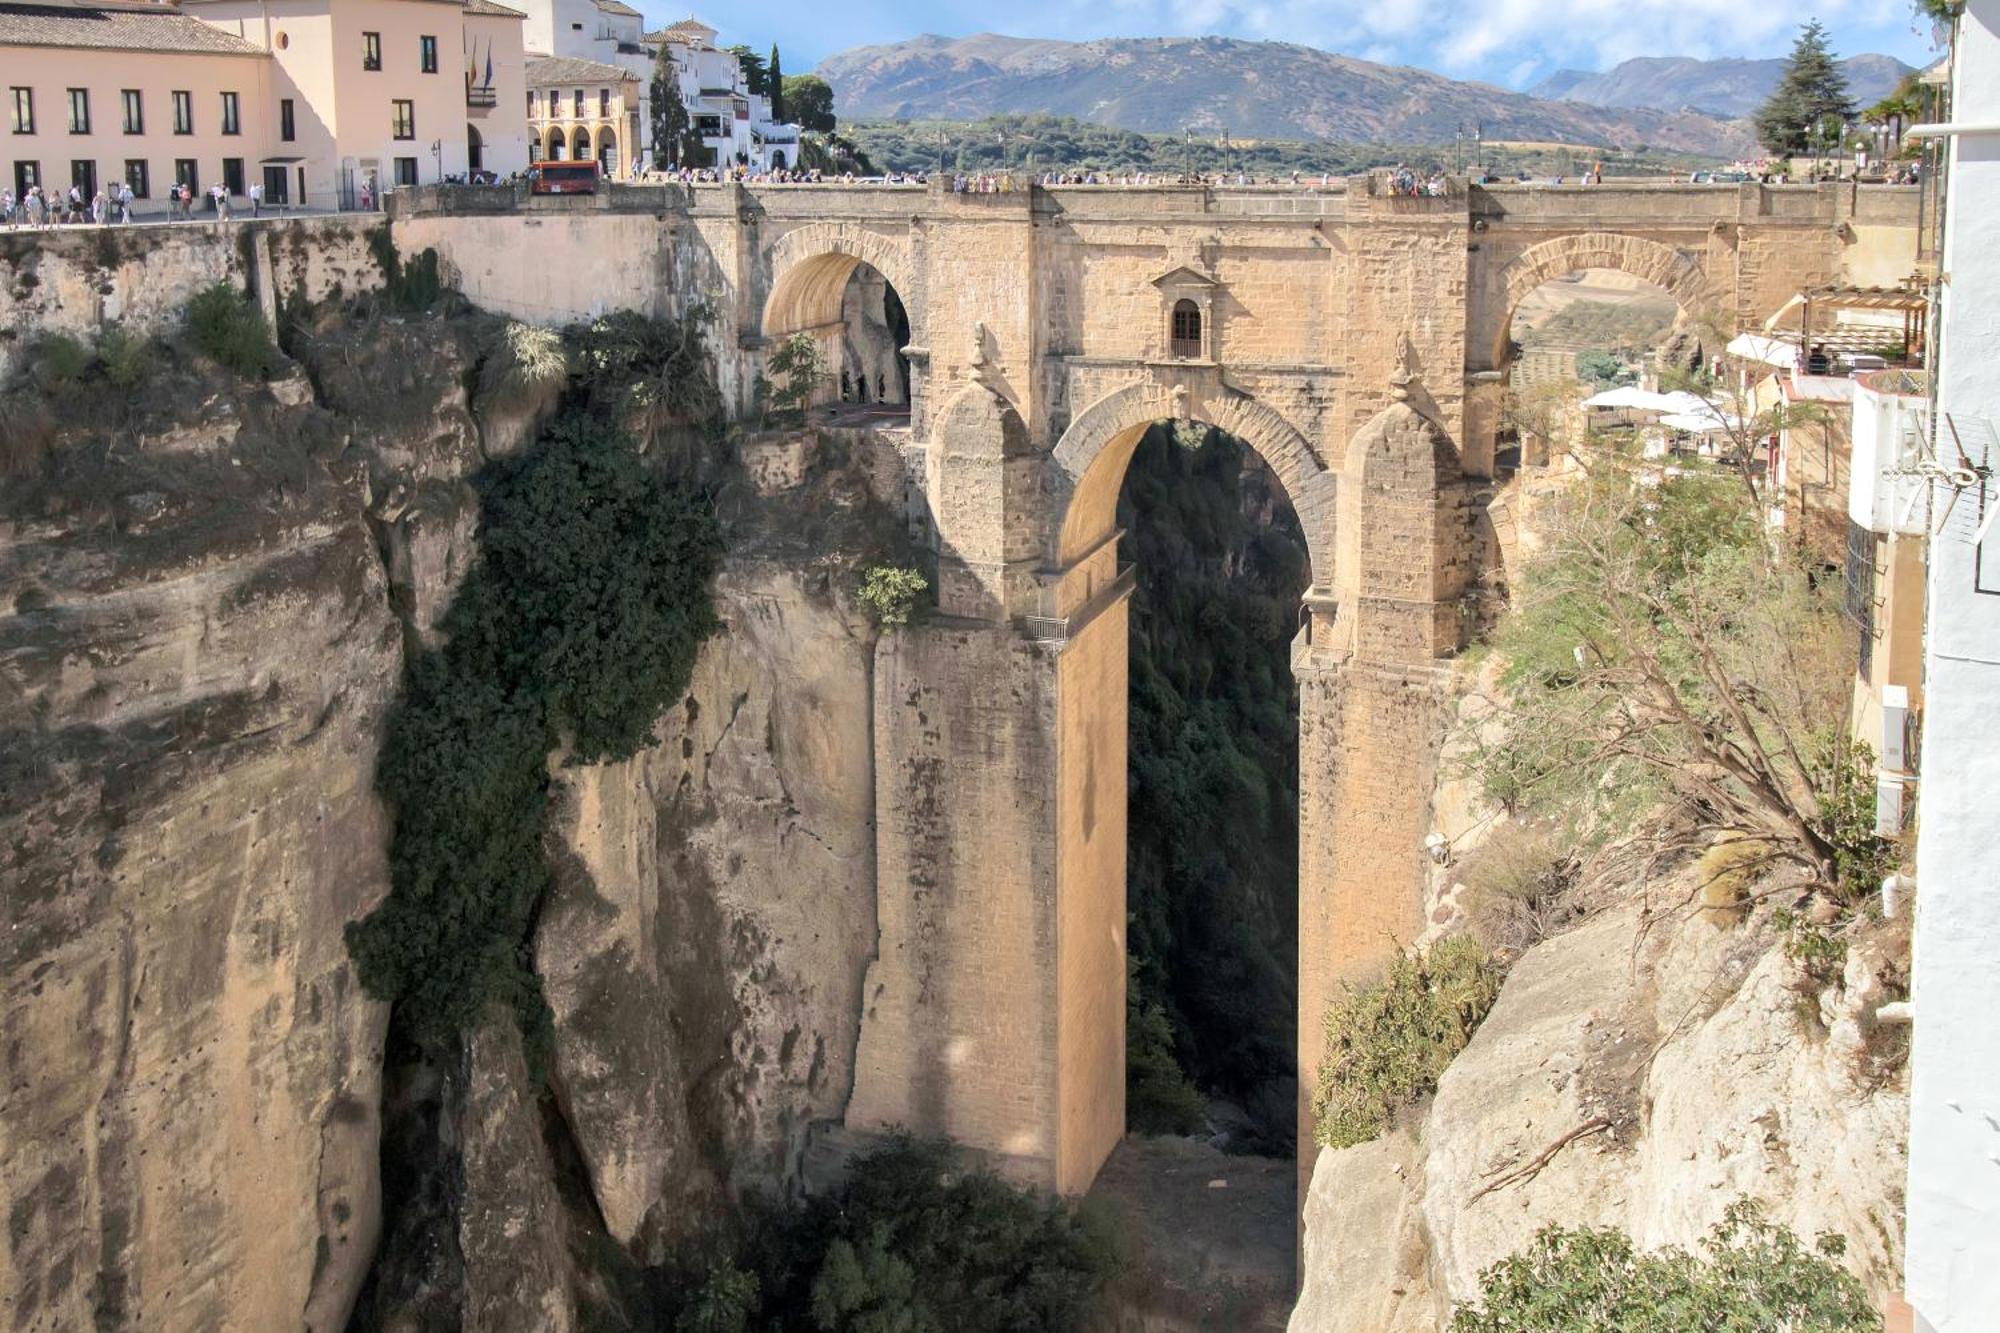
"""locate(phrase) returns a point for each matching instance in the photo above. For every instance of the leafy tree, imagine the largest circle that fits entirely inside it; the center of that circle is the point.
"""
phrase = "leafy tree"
(1751, 1276)
(775, 81)
(227, 325)
(1158, 1097)
(1812, 89)
(809, 98)
(1598, 367)
(725, 1303)
(797, 367)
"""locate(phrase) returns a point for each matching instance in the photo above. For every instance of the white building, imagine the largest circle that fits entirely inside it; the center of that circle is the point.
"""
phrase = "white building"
(1952, 1264)
(735, 124)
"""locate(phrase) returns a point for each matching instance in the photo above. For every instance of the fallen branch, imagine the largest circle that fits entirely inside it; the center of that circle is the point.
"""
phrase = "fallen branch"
(1542, 1159)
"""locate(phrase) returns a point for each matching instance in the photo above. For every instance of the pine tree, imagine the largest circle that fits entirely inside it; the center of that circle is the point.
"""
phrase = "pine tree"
(1812, 90)
(774, 79)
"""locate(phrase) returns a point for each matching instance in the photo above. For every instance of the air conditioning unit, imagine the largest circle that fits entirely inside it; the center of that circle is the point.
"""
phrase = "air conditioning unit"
(1897, 752)
(1892, 794)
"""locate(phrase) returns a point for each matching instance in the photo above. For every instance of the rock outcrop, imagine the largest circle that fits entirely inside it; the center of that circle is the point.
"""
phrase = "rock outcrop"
(196, 651)
(705, 946)
(1704, 1067)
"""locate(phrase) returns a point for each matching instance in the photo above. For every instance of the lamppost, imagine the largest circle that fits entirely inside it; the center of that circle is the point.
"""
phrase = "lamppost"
(940, 150)
(1458, 151)
(1187, 156)
(437, 156)
(1479, 148)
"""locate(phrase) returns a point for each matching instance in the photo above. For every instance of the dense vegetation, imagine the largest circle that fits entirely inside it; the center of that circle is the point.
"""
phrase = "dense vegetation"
(1663, 658)
(913, 1241)
(1060, 143)
(576, 627)
(1212, 844)
(1751, 1277)
(1387, 1044)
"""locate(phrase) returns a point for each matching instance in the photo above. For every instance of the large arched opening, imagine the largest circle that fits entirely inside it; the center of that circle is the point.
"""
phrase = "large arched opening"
(1576, 336)
(1217, 514)
(557, 146)
(858, 316)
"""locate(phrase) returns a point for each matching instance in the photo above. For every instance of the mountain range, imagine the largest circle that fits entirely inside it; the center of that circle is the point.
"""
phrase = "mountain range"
(1718, 87)
(1269, 90)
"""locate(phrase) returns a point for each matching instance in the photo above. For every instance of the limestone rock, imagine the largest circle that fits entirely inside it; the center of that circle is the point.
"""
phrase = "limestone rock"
(192, 681)
(705, 946)
(1701, 1050)
(512, 1228)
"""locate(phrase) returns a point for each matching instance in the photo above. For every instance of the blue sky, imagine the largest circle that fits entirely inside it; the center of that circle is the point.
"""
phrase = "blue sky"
(1510, 42)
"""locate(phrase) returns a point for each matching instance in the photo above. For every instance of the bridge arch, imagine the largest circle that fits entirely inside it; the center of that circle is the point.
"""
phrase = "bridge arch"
(809, 267)
(1094, 452)
(1675, 271)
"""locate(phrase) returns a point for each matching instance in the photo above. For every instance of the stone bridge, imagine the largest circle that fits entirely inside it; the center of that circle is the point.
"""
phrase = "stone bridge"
(1357, 340)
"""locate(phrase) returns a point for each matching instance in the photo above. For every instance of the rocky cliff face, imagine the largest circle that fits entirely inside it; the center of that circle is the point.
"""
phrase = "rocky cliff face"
(208, 589)
(1718, 1071)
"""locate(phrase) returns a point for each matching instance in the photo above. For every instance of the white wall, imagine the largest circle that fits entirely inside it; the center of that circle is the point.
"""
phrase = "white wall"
(1953, 1238)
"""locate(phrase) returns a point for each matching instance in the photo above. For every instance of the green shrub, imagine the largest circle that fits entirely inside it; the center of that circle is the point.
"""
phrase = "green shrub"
(916, 1239)
(579, 624)
(411, 286)
(890, 594)
(1159, 1099)
(1387, 1044)
(796, 369)
(127, 357)
(227, 325)
(1751, 1277)
(58, 362)
(625, 361)
(724, 1303)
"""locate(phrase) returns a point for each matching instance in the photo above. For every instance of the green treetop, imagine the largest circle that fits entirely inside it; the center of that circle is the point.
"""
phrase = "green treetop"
(774, 79)
(1812, 91)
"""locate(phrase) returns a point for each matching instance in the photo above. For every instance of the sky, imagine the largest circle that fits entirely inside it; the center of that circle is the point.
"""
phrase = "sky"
(1508, 42)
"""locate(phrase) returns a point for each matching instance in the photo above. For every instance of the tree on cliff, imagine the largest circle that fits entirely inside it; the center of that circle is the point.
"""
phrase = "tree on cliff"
(1663, 655)
(775, 81)
(1812, 91)
(810, 100)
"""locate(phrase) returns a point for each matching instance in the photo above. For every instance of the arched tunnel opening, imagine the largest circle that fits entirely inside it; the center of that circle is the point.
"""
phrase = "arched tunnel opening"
(855, 313)
(1212, 856)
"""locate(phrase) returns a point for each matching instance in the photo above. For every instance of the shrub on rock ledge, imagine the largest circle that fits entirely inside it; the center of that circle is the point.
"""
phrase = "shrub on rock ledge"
(1387, 1044)
(1753, 1276)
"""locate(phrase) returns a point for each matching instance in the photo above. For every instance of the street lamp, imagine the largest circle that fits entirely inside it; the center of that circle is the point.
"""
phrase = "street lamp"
(437, 156)
(1187, 156)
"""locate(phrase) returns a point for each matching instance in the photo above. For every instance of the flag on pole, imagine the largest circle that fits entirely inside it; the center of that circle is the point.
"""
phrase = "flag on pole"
(489, 62)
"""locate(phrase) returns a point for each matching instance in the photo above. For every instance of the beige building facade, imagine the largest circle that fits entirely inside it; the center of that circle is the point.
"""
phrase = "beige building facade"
(318, 104)
(134, 94)
(583, 110)
(368, 94)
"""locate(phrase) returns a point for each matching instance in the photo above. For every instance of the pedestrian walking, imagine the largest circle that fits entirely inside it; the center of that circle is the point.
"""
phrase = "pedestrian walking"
(6, 208)
(220, 195)
(100, 208)
(37, 208)
(256, 199)
(125, 202)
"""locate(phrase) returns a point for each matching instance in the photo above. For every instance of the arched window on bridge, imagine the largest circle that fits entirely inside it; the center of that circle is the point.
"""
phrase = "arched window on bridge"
(1187, 331)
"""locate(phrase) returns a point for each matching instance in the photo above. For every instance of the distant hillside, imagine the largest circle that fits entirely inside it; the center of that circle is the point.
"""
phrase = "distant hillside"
(1718, 87)
(1264, 90)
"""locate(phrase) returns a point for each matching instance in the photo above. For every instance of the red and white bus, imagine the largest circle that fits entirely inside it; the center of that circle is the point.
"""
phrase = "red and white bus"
(563, 178)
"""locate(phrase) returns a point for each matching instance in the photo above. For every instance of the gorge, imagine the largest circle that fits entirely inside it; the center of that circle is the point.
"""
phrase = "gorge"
(855, 877)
